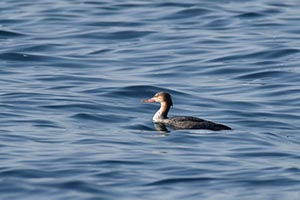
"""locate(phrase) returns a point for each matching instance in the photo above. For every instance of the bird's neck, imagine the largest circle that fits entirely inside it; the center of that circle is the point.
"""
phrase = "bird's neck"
(162, 113)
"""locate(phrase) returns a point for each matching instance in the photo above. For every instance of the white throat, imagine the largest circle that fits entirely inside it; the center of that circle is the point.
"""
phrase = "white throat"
(158, 116)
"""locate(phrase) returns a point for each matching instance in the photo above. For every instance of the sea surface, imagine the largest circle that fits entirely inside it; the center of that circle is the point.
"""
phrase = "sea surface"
(73, 74)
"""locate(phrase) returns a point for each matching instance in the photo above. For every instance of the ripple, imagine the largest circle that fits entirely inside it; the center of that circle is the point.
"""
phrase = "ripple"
(72, 106)
(266, 54)
(10, 34)
(116, 35)
(199, 180)
(100, 118)
(24, 57)
(139, 127)
(274, 182)
(188, 13)
(251, 15)
(81, 186)
(116, 24)
(135, 90)
(265, 74)
(23, 173)
(69, 77)
(176, 4)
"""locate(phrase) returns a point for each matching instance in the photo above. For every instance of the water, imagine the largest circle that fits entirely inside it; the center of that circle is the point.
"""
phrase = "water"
(73, 74)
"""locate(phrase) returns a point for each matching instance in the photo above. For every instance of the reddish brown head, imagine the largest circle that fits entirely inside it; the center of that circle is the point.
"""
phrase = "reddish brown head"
(161, 97)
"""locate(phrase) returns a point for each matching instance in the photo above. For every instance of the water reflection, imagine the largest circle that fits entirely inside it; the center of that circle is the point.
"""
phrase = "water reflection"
(160, 127)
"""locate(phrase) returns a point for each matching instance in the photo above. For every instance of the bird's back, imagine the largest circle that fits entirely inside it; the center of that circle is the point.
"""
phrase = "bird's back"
(184, 122)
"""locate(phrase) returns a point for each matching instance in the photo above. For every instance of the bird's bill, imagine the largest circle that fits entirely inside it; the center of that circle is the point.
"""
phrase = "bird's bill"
(152, 100)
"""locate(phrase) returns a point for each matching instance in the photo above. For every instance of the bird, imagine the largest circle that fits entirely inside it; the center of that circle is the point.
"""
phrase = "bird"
(179, 122)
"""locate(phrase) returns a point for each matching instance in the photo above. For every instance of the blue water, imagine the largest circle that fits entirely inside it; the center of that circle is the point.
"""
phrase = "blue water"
(73, 74)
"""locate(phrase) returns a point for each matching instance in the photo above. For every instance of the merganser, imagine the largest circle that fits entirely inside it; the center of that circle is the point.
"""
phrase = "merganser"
(179, 122)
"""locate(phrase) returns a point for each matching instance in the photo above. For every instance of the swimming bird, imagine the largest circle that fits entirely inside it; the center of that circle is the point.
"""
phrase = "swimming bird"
(179, 122)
